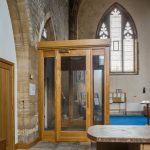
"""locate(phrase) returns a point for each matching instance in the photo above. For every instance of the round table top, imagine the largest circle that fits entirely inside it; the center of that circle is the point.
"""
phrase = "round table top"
(119, 133)
(145, 102)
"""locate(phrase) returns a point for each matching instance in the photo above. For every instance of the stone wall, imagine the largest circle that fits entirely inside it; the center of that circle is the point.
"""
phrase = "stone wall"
(28, 18)
(39, 12)
(74, 6)
(20, 28)
(89, 16)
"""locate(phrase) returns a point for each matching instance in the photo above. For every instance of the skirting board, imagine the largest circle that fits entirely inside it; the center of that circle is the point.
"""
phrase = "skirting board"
(26, 145)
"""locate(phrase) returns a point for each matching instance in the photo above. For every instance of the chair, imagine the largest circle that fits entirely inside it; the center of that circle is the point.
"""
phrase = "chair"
(97, 109)
(145, 112)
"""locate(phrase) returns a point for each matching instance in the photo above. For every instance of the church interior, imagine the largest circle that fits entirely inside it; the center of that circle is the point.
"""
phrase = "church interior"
(74, 74)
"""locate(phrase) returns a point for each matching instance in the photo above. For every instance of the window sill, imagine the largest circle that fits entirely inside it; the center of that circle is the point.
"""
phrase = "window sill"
(124, 73)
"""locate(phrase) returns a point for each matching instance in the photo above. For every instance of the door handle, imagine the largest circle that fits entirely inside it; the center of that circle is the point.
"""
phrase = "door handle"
(87, 100)
(63, 50)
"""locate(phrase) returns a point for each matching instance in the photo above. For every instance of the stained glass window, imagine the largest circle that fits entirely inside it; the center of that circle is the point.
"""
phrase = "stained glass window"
(104, 32)
(119, 26)
(128, 46)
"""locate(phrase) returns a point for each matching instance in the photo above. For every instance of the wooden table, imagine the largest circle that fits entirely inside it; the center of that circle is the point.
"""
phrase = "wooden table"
(113, 137)
(147, 106)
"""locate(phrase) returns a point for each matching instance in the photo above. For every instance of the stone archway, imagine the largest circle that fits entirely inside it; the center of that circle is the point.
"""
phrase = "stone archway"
(26, 56)
(27, 22)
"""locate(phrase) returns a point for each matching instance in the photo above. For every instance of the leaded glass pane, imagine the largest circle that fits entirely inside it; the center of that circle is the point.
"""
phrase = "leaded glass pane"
(116, 44)
(128, 46)
(119, 27)
(103, 32)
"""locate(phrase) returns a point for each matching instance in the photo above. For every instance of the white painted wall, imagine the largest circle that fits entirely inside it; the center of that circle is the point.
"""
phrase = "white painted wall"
(7, 47)
(89, 15)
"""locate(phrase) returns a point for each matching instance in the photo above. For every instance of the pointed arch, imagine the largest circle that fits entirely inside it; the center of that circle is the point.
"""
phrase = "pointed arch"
(118, 25)
(125, 14)
(47, 24)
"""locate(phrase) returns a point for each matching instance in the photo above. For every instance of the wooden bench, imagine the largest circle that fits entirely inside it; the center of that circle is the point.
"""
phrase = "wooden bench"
(145, 111)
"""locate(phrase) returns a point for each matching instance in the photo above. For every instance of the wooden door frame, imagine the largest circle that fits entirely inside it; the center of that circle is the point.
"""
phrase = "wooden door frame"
(10, 66)
(55, 134)
(102, 52)
(107, 86)
(44, 135)
(67, 135)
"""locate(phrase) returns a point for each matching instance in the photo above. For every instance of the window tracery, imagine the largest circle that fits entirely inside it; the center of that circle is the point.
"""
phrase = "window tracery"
(119, 26)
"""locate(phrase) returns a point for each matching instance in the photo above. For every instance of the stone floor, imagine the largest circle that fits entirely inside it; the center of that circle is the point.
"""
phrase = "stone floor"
(63, 146)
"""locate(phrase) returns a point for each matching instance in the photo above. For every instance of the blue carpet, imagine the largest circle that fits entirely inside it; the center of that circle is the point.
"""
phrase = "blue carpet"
(128, 120)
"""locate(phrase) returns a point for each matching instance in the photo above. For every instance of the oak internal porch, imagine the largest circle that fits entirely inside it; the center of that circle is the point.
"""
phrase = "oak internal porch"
(74, 86)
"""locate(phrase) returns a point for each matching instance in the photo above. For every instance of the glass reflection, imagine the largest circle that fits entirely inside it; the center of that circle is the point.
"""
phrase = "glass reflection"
(73, 74)
(98, 90)
(49, 103)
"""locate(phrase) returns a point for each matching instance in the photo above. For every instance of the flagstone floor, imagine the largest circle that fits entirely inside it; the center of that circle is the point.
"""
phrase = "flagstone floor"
(64, 146)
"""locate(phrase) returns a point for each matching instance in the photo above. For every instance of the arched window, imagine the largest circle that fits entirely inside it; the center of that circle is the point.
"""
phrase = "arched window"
(48, 31)
(44, 34)
(118, 25)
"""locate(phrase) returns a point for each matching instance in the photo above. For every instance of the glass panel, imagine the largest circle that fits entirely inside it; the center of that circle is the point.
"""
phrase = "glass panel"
(128, 44)
(103, 32)
(98, 90)
(49, 98)
(73, 76)
(116, 43)
(128, 55)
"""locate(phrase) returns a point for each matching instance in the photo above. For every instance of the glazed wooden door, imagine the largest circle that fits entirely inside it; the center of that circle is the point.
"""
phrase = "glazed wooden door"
(74, 92)
(6, 107)
(73, 95)
(70, 85)
(98, 67)
(100, 86)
